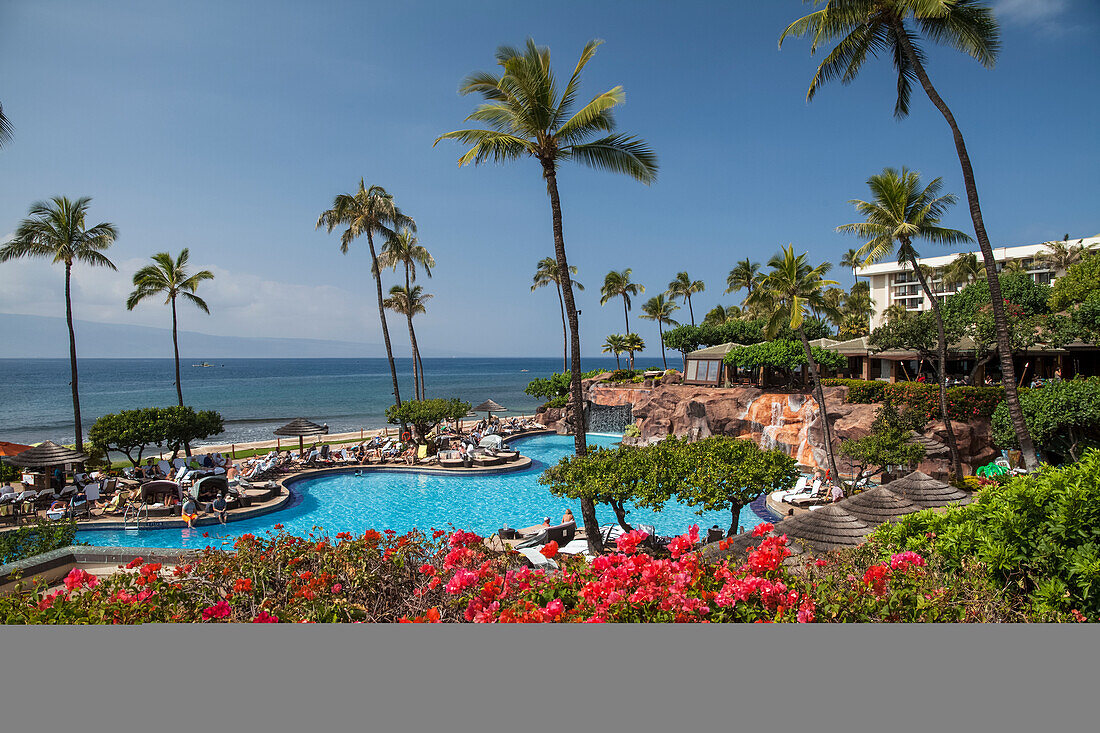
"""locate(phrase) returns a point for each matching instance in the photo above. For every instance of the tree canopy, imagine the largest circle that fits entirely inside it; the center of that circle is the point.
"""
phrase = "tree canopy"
(887, 444)
(1080, 281)
(131, 432)
(1063, 417)
(424, 415)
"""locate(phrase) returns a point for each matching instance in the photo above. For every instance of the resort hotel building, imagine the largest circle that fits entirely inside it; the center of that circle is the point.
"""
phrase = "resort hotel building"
(896, 283)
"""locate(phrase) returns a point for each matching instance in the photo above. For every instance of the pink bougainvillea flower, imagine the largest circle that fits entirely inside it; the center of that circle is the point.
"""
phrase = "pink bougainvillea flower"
(905, 560)
(134, 563)
(78, 578)
(336, 588)
(221, 609)
(265, 618)
(762, 529)
(628, 543)
(554, 608)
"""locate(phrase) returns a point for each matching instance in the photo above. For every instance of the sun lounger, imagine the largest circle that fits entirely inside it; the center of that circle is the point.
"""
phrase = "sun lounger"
(537, 559)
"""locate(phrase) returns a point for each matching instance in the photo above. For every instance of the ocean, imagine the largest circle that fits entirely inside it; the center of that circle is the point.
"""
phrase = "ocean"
(254, 396)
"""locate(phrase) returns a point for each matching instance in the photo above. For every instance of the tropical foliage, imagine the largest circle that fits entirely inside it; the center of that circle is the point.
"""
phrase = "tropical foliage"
(1062, 416)
(784, 355)
(684, 287)
(660, 310)
(424, 415)
(403, 248)
(546, 272)
(888, 443)
(131, 432)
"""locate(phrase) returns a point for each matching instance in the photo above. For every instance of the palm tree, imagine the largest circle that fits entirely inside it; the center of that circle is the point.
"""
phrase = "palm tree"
(368, 211)
(792, 290)
(409, 302)
(902, 210)
(169, 277)
(1016, 266)
(1061, 254)
(745, 274)
(617, 284)
(403, 248)
(633, 342)
(684, 287)
(615, 344)
(856, 311)
(833, 298)
(963, 270)
(873, 27)
(895, 312)
(527, 117)
(546, 272)
(5, 128)
(660, 310)
(55, 229)
(720, 314)
(850, 259)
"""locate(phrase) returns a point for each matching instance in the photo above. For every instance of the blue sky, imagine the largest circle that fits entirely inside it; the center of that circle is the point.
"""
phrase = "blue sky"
(228, 127)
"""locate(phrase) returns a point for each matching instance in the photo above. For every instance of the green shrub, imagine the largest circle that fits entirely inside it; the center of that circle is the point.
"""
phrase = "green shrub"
(963, 403)
(34, 539)
(860, 391)
(556, 402)
(1062, 417)
(1038, 534)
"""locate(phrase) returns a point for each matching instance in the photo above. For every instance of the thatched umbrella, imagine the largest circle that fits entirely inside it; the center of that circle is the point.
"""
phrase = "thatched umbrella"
(878, 505)
(922, 489)
(489, 407)
(827, 528)
(47, 454)
(301, 427)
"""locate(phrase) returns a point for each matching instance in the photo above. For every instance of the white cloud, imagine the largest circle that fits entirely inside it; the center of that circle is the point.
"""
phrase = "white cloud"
(241, 304)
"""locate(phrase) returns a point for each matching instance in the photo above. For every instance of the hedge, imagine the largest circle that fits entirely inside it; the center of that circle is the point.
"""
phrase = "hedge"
(963, 403)
(34, 539)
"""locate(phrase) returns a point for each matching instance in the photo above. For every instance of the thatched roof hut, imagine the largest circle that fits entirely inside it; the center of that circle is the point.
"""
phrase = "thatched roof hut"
(932, 447)
(925, 491)
(301, 427)
(828, 528)
(878, 505)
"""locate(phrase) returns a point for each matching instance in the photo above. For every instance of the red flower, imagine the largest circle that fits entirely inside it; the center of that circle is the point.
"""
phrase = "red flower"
(336, 588)
(243, 585)
(433, 615)
(265, 618)
(876, 577)
(134, 563)
(221, 609)
(821, 562)
(550, 549)
(762, 529)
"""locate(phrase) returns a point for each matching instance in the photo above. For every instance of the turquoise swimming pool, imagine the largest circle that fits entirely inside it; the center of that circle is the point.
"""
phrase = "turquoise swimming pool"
(344, 502)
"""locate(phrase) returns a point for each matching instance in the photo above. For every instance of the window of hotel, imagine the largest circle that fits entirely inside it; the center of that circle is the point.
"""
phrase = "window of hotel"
(913, 304)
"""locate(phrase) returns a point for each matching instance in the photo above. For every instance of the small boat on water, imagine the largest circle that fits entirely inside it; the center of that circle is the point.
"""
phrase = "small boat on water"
(204, 364)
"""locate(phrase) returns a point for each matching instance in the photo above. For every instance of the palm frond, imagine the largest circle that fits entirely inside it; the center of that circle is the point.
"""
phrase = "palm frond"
(618, 154)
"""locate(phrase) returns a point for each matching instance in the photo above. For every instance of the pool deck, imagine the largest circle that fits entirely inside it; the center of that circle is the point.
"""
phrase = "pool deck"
(276, 494)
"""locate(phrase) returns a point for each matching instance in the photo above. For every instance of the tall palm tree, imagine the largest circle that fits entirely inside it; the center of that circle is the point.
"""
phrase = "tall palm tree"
(169, 277)
(618, 285)
(546, 272)
(856, 311)
(684, 287)
(745, 274)
(792, 289)
(5, 128)
(833, 298)
(895, 312)
(893, 27)
(409, 302)
(403, 248)
(615, 344)
(660, 310)
(527, 117)
(1060, 255)
(633, 342)
(720, 314)
(368, 211)
(963, 270)
(902, 210)
(850, 259)
(56, 229)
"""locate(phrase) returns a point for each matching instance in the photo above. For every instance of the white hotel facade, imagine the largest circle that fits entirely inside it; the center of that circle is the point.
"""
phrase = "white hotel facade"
(895, 283)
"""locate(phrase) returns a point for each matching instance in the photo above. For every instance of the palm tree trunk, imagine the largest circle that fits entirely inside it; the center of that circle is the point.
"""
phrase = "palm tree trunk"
(72, 355)
(420, 365)
(588, 507)
(176, 349)
(626, 314)
(412, 337)
(690, 311)
(941, 356)
(661, 331)
(382, 316)
(819, 395)
(618, 364)
(1004, 344)
(564, 334)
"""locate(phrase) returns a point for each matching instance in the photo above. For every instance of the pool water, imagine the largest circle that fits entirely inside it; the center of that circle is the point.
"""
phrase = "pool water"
(344, 502)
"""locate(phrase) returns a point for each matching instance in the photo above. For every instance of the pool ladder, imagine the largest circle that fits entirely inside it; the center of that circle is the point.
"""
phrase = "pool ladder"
(134, 516)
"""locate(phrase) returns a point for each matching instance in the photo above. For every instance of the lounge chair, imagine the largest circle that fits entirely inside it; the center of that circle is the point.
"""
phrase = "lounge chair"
(562, 534)
(9, 510)
(536, 558)
(799, 488)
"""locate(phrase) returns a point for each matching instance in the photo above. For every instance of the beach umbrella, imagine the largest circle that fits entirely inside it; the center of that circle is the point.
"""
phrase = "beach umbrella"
(878, 505)
(488, 406)
(827, 528)
(925, 491)
(12, 449)
(301, 427)
(47, 454)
